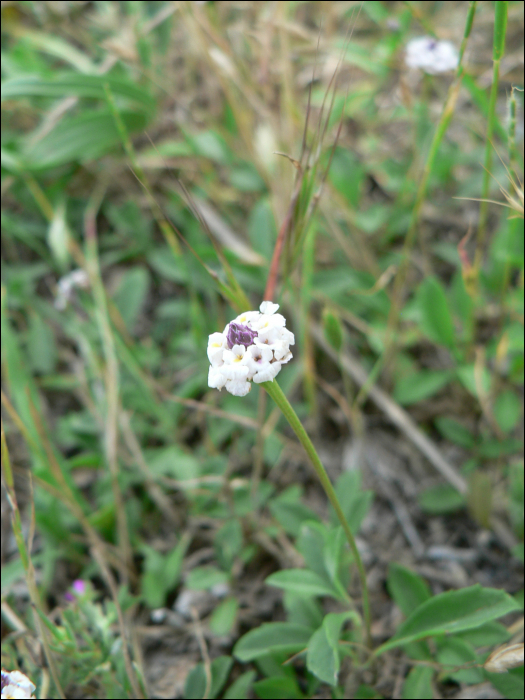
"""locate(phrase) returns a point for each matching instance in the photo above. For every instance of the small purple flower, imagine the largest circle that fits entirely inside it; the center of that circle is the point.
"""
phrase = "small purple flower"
(79, 588)
(240, 335)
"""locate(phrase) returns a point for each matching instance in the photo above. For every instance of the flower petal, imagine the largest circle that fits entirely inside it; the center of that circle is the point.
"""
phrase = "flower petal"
(216, 378)
(268, 307)
(238, 388)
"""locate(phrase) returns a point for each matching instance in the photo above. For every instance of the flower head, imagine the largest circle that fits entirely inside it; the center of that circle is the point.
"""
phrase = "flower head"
(431, 55)
(16, 685)
(252, 348)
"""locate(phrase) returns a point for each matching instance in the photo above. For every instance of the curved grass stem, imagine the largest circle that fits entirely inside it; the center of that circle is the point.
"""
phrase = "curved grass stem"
(276, 393)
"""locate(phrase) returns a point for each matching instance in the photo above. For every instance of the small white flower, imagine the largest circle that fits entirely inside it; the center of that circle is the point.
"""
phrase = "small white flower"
(16, 685)
(247, 317)
(67, 284)
(216, 378)
(257, 357)
(431, 55)
(252, 348)
(267, 373)
(216, 345)
(268, 307)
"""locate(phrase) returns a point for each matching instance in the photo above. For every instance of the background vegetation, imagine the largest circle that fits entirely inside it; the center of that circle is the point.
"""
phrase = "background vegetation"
(142, 511)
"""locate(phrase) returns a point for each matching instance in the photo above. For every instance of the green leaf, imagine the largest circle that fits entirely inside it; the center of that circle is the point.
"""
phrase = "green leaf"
(507, 410)
(131, 294)
(41, 346)
(163, 261)
(240, 688)
(272, 637)
(277, 688)
(418, 684)
(301, 582)
(195, 685)
(245, 178)
(311, 543)
(354, 501)
(466, 376)
(516, 493)
(346, 174)
(441, 499)
(493, 448)
(261, 228)
(337, 559)
(209, 144)
(224, 616)
(479, 497)
(421, 385)
(161, 572)
(454, 652)
(365, 692)
(58, 235)
(455, 432)
(202, 578)
(228, 542)
(291, 515)
(452, 612)
(75, 84)
(303, 611)
(333, 330)
(509, 684)
(407, 588)
(436, 319)
(83, 138)
(322, 656)
(20, 383)
(491, 634)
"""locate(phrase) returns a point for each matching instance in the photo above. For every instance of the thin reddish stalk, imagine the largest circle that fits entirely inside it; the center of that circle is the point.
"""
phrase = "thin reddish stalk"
(276, 257)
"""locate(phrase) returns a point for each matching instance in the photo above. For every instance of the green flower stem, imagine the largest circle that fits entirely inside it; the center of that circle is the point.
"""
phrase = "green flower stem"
(275, 391)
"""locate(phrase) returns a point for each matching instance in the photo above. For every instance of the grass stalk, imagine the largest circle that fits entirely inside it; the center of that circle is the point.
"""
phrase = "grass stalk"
(500, 29)
(399, 281)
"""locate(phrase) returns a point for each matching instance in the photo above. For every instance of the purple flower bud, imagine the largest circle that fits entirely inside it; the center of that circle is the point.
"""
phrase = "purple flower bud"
(79, 586)
(240, 335)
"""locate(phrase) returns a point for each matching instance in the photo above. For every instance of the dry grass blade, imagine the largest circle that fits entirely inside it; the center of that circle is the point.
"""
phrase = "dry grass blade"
(504, 658)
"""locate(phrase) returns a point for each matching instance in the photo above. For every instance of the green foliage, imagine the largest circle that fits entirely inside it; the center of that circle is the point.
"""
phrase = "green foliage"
(418, 684)
(441, 499)
(408, 590)
(140, 472)
(196, 687)
(272, 637)
(452, 612)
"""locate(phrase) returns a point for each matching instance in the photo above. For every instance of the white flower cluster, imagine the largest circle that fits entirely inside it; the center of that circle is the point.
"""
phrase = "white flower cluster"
(16, 685)
(431, 55)
(253, 347)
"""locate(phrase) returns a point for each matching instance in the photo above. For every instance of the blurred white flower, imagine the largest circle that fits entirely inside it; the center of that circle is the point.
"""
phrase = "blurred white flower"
(252, 347)
(16, 685)
(66, 286)
(431, 55)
